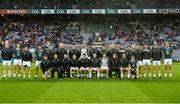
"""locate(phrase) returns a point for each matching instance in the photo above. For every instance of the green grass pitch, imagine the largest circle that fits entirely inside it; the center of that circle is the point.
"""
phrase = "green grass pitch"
(92, 90)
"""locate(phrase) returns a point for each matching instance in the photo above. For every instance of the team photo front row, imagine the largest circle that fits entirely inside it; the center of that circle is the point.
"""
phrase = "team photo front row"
(132, 63)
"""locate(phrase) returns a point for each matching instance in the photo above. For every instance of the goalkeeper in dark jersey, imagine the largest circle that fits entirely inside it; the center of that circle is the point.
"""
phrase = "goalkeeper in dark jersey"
(156, 56)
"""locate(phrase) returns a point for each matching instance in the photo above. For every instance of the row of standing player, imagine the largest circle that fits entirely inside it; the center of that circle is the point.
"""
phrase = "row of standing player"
(79, 61)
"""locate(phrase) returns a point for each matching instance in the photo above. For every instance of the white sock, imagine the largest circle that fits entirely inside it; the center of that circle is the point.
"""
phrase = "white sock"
(122, 75)
(29, 76)
(144, 75)
(159, 74)
(154, 76)
(81, 75)
(149, 75)
(14, 75)
(24, 76)
(71, 75)
(5, 73)
(102, 75)
(170, 75)
(165, 75)
(90, 75)
(137, 76)
(98, 75)
(128, 75)
(9, 75)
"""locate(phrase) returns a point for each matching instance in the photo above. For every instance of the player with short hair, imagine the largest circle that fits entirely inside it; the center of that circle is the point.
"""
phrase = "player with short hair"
(85, 66)
(146, 59)
(121, 51)
(74, 66)
(7, 57)
(167, 50)
(104, 66)
(95, 65)
(61, 51)
(27, 59)
(65, 67)
(133, 68)
(124, 68)
(114, 65)
(138, 57)
(39, 57)
(45, 66)
(156, 56)
(73, 51)
(17, 55)
(56, 63)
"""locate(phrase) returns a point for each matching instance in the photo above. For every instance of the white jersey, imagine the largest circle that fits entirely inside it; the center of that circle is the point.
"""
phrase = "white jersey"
(84, 51)
(104, 62)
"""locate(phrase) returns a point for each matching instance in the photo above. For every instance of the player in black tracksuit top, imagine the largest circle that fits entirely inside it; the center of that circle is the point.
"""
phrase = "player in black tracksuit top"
(74, 51)
(114, 65)
(121, 51)
(45, 66)
(27, 59)
(146, 60)
(156, 56)
(129, 53)
(61, 51)
(95, 65)
(56, 66)
(65, 66)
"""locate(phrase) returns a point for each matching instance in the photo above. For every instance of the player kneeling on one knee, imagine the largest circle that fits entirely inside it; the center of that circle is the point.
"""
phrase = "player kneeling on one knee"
(56, 63)
(124, 68)
(85, 67)
(27, 59)
(104, 66)
(74, 66)
(133, 68)
(45, 66)
(95, 64)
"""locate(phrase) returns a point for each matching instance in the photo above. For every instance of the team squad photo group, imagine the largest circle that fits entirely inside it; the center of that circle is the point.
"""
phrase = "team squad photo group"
(124, 62)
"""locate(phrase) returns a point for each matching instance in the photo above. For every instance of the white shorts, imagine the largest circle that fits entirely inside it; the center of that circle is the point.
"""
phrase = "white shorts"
(17, 62)
(139, 63)
(167, 61)
(7, 62)
(74, 68)
(146, 62)
(104, 68)
(83, 68)
(94, 69)
(38, 63)
(156, 63)
(27, 63)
